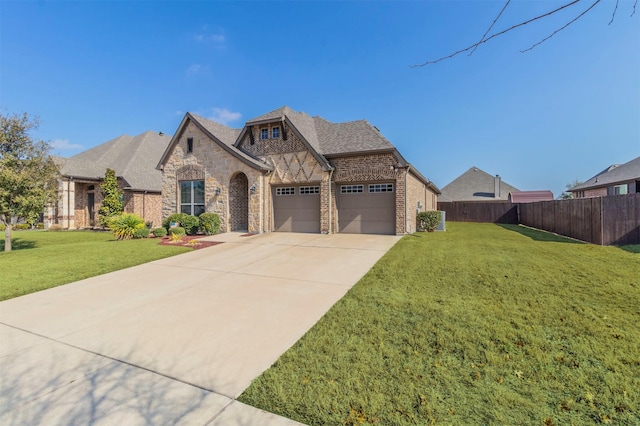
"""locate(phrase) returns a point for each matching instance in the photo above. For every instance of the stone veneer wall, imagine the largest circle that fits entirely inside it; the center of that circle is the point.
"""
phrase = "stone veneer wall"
(217, 167)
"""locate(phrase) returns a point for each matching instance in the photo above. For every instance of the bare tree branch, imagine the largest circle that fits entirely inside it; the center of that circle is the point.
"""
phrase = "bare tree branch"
(563, 27)
(491, 26)
(614, 12)
(499, 34)
(633, 12)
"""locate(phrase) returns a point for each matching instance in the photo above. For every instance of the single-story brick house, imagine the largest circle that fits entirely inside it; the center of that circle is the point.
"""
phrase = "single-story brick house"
(133, 158)
(617, 179)
(288, 171)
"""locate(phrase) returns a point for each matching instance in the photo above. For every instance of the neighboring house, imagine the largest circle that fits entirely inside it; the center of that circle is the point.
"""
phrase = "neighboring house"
(530, 196)
(134, 160)
(288, 171)
(477, 185)
(614, 180)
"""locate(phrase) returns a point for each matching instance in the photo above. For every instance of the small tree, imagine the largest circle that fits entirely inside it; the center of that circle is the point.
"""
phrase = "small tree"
(566, 195)
(111, 198)
(28, 174)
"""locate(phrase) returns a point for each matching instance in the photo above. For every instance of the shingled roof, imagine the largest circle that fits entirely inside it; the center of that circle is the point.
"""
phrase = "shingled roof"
(611, 175)
(327, 138)
(476, 185)
(132, 157)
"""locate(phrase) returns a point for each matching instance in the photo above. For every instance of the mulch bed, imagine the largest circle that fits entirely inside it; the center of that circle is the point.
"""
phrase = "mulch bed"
(185, 242)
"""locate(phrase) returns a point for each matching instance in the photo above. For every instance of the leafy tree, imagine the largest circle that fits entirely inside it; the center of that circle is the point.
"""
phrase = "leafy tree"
(28, 174)
(568, 195)
(111, 198)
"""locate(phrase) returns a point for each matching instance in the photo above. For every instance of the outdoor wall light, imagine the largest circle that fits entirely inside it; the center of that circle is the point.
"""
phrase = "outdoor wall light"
(218, 191)
(253, 189)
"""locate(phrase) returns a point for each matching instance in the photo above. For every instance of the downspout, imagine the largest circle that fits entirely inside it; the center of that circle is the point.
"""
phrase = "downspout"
(69, 202)
(329, 195)
(406, 199)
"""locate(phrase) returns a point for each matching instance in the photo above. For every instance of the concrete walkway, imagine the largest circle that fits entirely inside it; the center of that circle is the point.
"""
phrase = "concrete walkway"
(173, 341)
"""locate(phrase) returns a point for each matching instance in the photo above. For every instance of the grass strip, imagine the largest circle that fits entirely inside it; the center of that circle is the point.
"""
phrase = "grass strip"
(482, 324)
(43, 259)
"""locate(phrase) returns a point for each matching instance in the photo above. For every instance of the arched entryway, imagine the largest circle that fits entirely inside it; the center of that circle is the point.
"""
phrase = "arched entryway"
(239, 203)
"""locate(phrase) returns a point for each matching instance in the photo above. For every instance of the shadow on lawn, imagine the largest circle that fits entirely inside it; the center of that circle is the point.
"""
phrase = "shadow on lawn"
(634, 248)
(19, 244)
(538, 235)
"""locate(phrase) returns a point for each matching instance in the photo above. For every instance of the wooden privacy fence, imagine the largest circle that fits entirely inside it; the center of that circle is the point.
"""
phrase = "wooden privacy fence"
(480, 211)
(612, 220)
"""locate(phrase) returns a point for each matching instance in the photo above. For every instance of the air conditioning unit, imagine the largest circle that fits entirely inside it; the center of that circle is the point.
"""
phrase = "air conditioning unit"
(441, 225)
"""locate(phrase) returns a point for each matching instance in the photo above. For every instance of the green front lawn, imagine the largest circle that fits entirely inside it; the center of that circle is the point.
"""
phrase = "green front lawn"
(44, 259)
(482, 324)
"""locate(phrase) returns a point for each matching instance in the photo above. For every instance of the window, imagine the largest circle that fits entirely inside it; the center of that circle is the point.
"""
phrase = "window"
(275, 133)
(189, 145)
(286, 191)
(309, 190)
(264, 134)
(192, 197)
(381, 187)
(351, 189)
(621, 189)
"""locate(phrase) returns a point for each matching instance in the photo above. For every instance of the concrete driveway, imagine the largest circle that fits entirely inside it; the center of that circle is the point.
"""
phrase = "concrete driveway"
(173, 341)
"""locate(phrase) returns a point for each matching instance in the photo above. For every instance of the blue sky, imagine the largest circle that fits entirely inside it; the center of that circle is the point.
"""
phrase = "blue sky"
(94, 70)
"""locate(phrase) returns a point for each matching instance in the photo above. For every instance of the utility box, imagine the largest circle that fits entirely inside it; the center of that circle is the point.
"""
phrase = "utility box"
(441, 225)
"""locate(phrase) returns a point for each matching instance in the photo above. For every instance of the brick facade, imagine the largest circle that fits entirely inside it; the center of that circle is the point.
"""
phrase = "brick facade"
(228, 194)
(72, 209)
(419, 197)
(211, 162)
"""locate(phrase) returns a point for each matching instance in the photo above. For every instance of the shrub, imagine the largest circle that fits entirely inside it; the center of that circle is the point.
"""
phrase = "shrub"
(159, 232)
(39, 225)
(141, 233)
(55, 227)
(427, 221)
(191, 224)
(210, 223)
(178, 230)
(125, 225)
(176, 217)
(21, 226)
(2, 227)
(188, 222)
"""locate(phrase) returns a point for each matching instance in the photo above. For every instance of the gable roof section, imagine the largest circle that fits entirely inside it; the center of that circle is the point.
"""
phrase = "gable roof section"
(132, 158)
(612, 175)
(475, 185)
(224, 136)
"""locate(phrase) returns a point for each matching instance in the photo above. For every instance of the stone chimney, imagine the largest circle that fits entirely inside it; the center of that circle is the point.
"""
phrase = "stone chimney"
(496, 187)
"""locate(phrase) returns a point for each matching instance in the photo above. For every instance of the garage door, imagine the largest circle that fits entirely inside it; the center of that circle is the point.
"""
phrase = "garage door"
(367, 208)
(296, 208)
